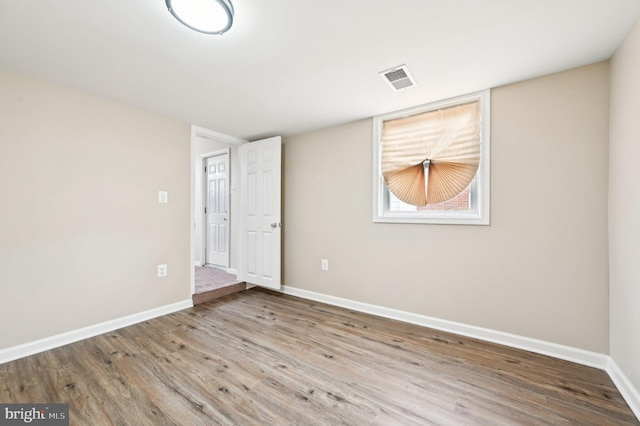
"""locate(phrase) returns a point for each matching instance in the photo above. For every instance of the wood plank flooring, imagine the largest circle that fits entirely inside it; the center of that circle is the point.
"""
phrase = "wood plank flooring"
(262, 358)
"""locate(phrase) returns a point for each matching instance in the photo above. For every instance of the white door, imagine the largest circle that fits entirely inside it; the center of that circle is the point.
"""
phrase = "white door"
(217, 211)
(260, 164)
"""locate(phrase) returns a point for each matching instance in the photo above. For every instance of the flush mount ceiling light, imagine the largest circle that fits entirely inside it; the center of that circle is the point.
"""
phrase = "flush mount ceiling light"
(204, 16)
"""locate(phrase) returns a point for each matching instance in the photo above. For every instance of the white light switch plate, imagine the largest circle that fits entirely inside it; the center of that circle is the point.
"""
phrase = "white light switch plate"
(162, 270)
(163, 197)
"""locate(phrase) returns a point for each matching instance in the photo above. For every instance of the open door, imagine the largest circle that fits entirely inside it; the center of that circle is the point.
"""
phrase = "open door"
(260, 168)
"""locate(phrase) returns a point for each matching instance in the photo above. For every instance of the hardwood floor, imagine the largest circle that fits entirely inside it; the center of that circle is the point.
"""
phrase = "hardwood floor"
(262, 358)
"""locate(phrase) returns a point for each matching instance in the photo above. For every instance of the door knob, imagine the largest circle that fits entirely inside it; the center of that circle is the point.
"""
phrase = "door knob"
(275, 225)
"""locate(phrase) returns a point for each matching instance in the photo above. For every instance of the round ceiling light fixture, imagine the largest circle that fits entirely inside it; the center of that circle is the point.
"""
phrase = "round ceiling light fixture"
(204, 16)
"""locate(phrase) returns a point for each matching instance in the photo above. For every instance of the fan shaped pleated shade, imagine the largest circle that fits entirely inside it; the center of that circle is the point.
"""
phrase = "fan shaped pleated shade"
(431, 157)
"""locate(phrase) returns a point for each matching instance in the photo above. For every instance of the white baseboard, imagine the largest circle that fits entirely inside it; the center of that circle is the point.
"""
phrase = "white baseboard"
(31, 348)
(624, 385)
(197, 263)
(232, 271)
(580, 356)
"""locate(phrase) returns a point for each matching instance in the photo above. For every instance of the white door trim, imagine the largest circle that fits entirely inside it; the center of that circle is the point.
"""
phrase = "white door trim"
(199, 133)
(216, 136)
(204, 198)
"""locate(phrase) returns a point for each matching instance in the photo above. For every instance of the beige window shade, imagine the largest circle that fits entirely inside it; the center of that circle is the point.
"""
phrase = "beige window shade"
(431, 157)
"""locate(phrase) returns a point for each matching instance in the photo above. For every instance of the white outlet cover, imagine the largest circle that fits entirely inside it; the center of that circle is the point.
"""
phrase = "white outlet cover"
(324, 264)
(163, 197)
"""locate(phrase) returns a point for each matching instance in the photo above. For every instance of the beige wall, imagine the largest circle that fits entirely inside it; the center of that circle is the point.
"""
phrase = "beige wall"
(81, 230)
(202, 146)
(624, 206)
(539, 270)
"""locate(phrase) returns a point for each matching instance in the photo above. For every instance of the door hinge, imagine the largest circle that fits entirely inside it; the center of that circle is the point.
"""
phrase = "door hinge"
(205, 169)
(205, 210)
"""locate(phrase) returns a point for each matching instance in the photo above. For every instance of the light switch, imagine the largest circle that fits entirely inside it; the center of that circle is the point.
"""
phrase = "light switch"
(163, 197)
(162, 270)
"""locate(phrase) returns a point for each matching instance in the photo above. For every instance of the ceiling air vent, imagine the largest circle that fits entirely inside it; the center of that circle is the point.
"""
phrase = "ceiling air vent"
(398, 78)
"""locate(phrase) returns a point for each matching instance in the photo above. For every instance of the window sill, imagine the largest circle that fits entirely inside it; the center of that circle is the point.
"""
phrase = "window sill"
(440, 219)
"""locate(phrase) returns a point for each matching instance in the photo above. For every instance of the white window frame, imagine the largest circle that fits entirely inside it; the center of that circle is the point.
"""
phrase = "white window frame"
(480, 187)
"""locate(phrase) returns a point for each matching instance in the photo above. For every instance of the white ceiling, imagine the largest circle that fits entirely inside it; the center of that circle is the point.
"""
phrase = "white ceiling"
(290, 66)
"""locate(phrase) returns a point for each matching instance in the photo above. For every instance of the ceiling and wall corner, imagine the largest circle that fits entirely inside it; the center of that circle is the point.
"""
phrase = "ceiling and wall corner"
(293, 66)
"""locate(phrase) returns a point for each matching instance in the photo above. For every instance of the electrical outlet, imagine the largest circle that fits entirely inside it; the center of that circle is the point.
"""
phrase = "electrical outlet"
(162, 270)
(324, 264)
(163, 197)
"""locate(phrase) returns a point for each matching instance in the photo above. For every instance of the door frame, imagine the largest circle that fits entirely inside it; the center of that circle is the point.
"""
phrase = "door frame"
(205, 197)
(198, 134)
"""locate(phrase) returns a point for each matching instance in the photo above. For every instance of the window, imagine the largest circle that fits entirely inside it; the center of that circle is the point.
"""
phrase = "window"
(431, 163)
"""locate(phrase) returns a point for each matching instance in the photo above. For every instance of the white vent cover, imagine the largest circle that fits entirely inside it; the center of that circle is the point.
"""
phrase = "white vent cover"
(398, 78)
